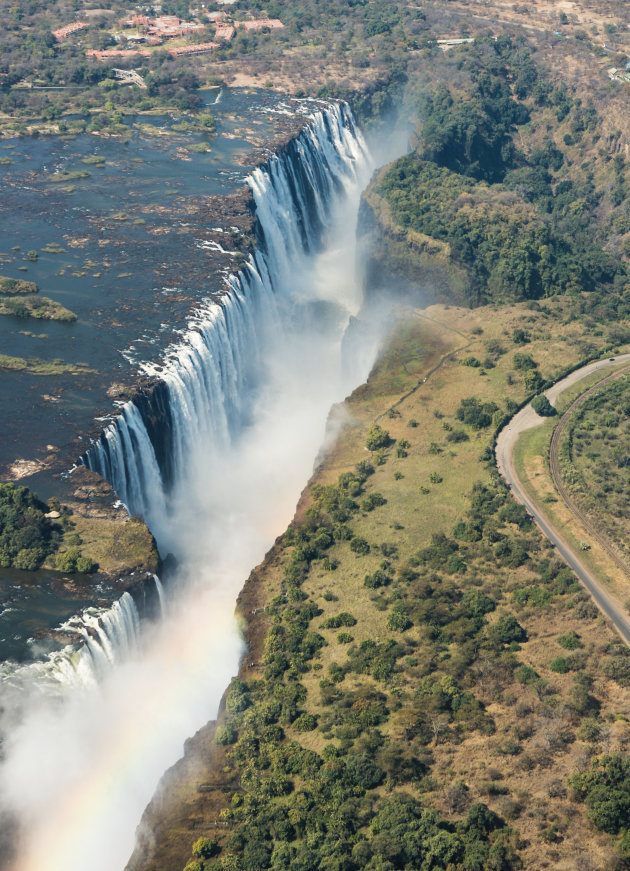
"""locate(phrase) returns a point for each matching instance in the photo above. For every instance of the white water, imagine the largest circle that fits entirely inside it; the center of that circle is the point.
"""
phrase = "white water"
(249, 392)
(105, 638)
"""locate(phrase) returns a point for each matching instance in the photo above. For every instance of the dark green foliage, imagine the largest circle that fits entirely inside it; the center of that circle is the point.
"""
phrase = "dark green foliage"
(205, 848)
(225, 735)
(359, 546)
(342, 619)
(523, 361)
(440, 549)
(375, 658)
(379, 578)
(376, 438)
(457, 435)
(27, 537)
(373, 500)
(542, 406)
(72, 560)
(507, 629)
(605, 789)
(475, 413)
(561, 665)
(570, 641)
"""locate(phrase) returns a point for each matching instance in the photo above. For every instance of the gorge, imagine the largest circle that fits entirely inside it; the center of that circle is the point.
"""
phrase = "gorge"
(213, 454)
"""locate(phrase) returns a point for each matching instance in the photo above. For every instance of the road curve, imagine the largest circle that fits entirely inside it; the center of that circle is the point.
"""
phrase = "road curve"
(527, 419)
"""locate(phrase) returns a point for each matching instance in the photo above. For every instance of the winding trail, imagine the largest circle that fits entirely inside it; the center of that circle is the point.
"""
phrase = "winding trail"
(506, 442)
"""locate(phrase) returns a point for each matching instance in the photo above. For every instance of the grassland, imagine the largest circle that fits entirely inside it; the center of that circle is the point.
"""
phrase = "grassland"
(112, 544)
(339, 666)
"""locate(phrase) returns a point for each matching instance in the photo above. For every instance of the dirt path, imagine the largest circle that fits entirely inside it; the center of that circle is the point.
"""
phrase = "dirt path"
(527, 419)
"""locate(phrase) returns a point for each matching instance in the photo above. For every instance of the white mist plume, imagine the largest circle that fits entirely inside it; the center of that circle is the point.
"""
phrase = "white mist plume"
(79, 771)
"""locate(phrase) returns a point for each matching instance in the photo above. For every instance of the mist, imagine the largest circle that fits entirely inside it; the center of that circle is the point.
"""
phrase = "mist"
(80, 768)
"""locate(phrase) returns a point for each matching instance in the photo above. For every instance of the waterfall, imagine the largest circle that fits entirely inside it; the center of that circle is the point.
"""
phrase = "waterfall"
(214, 453)
(205, 388)
(108, 636)
(161, 595)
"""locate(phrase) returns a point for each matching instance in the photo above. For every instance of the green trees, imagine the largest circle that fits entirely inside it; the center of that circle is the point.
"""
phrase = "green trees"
(72, 560)
(542, 406)
(475, 413)
(377, 437)
(605, 790)
(26, 535)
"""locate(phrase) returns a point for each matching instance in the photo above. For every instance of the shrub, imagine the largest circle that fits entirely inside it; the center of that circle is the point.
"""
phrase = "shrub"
(457, 435)
(305, 723)
(476, 414)
(525, 674)
(67, 561)
(398, 621)
(560, 665)
(359, 546)
(373, 500)
(344, 638)
(508, 629)
(342, 619)
(605, 789)
(570, 640)
(542, 406)
(524, 361)
(377, 579)
(205, 848)
(225, 735)
(377, 437)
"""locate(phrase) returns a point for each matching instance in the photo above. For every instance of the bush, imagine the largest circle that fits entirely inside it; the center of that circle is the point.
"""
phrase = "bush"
(475, 413)
(399, 621)
(508, 629)
(605, 789)
(542, 406)
(377, 437)
(457, 435)
(305, 723)
(570, 641)
(225, 735)
(342, 619)
(377, 579)
(560, 665)
(359, 546)
(524, 361)
(205, 848)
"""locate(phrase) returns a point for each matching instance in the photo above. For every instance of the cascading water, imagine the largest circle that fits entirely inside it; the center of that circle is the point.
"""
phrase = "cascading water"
(208, 381)
(214, 456)
(98, 639)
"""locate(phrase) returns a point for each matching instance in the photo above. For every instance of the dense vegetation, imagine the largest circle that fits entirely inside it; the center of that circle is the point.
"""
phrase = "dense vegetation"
(524, 225)
(27, 537)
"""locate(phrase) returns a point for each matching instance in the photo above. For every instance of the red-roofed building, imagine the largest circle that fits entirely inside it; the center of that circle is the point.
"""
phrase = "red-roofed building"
(62, 32)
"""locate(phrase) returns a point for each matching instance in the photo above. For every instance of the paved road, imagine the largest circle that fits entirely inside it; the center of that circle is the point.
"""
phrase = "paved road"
(527, 419)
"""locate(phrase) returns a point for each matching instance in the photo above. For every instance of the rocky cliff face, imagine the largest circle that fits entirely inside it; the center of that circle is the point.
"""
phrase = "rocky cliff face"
(401, 262)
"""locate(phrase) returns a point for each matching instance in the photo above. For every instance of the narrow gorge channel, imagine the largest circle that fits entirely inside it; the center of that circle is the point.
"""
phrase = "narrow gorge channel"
(214, 457)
